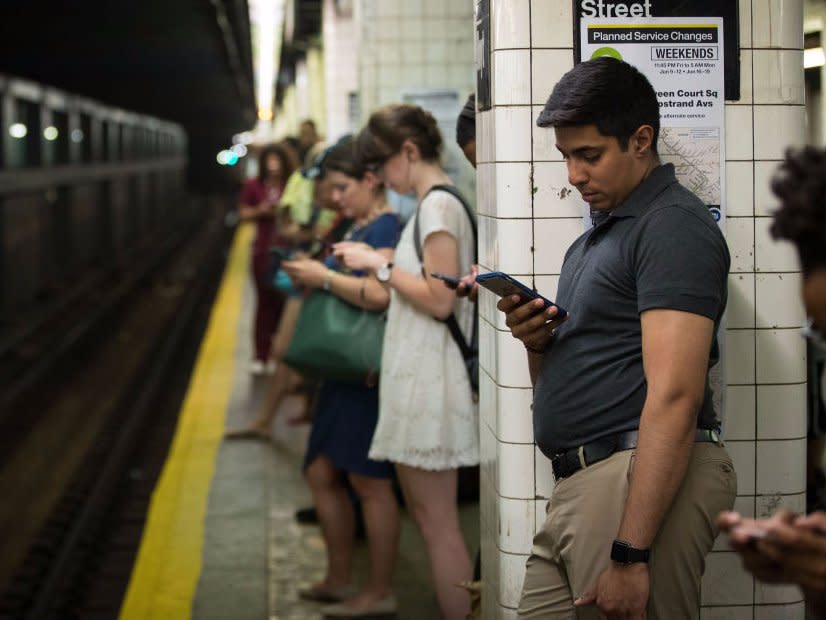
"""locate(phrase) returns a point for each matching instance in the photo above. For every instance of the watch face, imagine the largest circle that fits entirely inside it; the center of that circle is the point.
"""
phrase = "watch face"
(383, 273)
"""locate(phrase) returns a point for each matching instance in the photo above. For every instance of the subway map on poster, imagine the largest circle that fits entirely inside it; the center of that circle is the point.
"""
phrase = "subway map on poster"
(683, 59)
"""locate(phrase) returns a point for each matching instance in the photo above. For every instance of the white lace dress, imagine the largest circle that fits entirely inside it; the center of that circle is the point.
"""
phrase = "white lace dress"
(427, 417)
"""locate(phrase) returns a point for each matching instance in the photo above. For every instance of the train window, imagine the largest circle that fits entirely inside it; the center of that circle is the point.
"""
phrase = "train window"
(83, 136)
(24, 132)
(56, 139)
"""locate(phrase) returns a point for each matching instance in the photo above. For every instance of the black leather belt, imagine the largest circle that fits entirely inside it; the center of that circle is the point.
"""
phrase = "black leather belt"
(571, 461)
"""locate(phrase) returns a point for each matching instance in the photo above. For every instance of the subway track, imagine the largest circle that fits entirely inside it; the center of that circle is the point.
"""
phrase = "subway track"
(86, 425)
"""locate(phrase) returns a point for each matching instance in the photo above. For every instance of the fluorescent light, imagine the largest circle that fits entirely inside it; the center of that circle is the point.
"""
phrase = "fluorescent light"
(18, 130)
(50, 133)
(813, 57)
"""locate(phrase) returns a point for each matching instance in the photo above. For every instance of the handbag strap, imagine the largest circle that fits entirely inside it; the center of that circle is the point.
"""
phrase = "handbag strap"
(467, 348)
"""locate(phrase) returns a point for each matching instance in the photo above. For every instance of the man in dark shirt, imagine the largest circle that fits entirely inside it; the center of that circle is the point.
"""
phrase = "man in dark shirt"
(622, 404)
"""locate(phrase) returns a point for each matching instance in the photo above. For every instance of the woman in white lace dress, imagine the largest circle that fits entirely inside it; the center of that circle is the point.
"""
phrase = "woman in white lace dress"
(428, 421)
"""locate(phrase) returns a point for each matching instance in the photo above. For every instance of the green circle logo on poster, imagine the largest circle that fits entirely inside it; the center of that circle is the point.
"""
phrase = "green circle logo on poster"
(606, 51)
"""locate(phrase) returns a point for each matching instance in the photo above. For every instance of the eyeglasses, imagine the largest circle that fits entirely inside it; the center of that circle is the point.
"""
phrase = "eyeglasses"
(813, 334)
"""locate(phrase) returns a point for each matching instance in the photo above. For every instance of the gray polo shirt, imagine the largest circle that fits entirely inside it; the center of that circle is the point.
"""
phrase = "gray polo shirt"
(660, 249)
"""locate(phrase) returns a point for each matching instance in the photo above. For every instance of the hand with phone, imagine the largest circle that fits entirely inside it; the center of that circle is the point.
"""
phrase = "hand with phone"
(466, 286)
(532, 318)
(785, 548)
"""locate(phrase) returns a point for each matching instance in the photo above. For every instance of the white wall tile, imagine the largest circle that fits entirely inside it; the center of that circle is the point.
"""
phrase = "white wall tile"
(765, 202)
(740, 238)
(781, 411)
(551, 24)
(740, 356)
(512, 362)
(739, 188)
(510, 24)
(554, 197)
(516, 525)
(541, 507)
(514, 470)
(488, 399)
(776, 128)
(435, 8)
(485, 137)
(781, 466)
(767, 505)
(795, 611)
(772, 593)
(742, 456)
(741, 296)
(547, 286)
(544, 475)
(777, 76)
(512, 128)
(725, 582)
(513, 190)
(547, 67)
(778, 300)
(511, 77)
(726, 613)
(488, 358)
(552, 239)
(744, 7)
(775, 23)
(739, 132)
(487, 458)
(544, 139)
(514, 418)
(740, 412)
(512, 574)
(513, 251)
(746, 85)
(771, 255)
(781, 356)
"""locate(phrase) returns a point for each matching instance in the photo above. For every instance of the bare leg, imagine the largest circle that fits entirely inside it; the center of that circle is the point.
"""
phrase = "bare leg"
(431, 501)
(335, 514)
(381, 518)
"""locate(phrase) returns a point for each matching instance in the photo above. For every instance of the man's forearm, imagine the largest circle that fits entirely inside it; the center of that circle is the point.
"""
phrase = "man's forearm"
(666, 438)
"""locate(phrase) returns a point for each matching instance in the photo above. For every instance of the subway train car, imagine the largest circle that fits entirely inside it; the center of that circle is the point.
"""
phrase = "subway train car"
(82, 185)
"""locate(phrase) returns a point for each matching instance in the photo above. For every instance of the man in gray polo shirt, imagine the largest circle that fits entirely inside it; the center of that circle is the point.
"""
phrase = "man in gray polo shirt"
(622, 404)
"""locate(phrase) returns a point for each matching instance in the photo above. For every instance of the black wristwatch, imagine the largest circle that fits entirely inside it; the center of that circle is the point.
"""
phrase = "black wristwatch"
(623, 553)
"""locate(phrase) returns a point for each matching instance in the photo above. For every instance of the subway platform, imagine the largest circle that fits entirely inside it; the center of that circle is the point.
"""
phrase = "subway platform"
(221, 541)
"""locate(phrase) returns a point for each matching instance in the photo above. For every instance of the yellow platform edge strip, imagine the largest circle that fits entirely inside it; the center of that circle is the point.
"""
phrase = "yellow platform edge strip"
(166, 571)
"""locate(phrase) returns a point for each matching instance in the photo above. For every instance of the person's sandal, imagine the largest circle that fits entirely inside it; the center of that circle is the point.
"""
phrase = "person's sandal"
(383, 608)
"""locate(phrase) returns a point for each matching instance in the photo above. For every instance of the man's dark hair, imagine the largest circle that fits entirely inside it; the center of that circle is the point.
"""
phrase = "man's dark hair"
(466, 123)
(800, 184)
(605, 92)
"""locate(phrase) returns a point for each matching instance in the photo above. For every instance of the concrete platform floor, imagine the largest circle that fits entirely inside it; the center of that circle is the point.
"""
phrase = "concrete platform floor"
(256, 556)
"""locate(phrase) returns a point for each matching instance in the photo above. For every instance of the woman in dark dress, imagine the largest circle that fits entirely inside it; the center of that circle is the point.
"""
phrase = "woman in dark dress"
(258, 203)
(346, 414)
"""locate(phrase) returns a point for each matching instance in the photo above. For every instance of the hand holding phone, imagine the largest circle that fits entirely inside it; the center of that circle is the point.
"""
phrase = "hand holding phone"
(504, 285)
(450, 281)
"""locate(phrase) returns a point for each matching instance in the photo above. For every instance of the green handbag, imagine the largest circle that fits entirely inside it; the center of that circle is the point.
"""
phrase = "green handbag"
(336, 341)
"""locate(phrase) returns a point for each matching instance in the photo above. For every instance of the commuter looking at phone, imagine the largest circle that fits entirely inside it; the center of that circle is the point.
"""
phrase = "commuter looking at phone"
(258, 203)
(622, 404)
(346, 414)
(428, 421)
(790, 548)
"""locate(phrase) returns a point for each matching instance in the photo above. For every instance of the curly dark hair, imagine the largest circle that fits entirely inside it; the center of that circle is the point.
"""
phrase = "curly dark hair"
(284, 152)
(800, 184)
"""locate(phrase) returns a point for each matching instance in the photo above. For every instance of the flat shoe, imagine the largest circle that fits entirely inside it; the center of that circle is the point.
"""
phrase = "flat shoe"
(384, 607)
(327, 596)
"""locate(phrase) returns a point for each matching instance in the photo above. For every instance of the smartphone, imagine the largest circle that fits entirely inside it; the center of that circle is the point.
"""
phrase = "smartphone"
(450, 281)
(504, 285)
(277, 255)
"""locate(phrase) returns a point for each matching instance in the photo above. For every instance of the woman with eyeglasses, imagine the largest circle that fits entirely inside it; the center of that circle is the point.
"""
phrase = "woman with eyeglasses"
(791, 548)
(428, 420)
(345, 414)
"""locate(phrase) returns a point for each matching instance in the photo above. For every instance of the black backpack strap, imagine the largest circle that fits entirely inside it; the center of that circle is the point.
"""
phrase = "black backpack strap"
(466, 348)
(450, 189)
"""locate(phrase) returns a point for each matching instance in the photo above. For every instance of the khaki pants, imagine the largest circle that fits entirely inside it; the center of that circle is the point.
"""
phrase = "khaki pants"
(584, 514)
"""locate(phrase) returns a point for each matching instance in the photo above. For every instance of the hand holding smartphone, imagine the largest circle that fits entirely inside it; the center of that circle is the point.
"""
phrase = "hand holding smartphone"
(504, 285)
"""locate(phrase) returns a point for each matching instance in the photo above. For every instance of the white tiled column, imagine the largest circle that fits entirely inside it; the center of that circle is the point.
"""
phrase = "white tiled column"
(528, 216)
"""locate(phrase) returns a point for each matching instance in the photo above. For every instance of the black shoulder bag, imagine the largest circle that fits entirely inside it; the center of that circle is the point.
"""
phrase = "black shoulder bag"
(470, 350)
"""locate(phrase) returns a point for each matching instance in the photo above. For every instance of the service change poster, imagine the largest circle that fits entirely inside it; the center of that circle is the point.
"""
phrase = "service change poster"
(683, 60)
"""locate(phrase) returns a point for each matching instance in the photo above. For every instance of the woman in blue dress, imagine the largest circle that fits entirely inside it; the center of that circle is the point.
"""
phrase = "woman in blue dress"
(346, 413)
